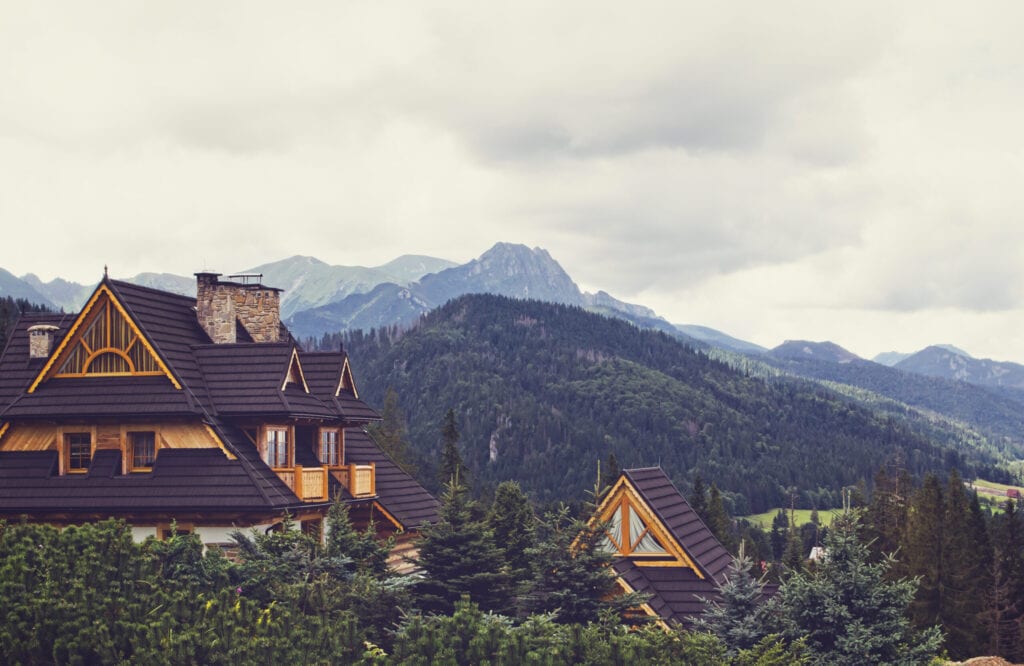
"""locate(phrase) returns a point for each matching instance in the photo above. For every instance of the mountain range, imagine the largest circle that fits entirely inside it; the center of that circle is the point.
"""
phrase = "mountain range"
(320, 298)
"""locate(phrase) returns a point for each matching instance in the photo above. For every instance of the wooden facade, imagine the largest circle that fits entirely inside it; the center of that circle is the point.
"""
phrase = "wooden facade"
(138, 413)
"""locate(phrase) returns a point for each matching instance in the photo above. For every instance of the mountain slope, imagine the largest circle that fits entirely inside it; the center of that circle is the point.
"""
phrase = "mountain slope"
(17, 288)
(948, 362)
(818, 351)
(720, 339)
(543, 391)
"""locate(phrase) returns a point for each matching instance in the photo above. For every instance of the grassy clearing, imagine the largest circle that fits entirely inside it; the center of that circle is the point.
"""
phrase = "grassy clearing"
(996, 486)
(764, 520)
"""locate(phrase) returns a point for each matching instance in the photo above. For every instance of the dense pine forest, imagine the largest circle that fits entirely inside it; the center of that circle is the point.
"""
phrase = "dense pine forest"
(543, 391)
(10, 310)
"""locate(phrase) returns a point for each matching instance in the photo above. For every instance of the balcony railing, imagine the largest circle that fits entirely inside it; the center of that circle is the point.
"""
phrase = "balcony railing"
(308, 483)
(360, 480)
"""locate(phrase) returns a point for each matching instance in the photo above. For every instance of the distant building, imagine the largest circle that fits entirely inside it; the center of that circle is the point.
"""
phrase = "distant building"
(662, 546)
(154, 407)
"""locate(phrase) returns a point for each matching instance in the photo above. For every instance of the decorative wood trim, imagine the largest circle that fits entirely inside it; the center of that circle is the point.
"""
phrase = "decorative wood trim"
(625, 492)
(346, 374)
(62, 447)
(646, 608)
(295, 363)
(387, 514)
(3, 429)
(49, 369)
(220, 443)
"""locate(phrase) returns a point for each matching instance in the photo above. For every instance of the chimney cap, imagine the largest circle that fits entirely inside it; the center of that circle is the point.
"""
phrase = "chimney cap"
(43, 328)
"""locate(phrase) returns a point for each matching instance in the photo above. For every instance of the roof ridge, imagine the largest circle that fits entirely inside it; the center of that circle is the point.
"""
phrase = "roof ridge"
(164, 292)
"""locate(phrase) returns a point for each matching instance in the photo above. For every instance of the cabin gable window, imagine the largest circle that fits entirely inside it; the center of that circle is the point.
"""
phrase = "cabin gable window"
(77, 452)
(629, 534)
(142, 450)
(331, 447)
(107, 345)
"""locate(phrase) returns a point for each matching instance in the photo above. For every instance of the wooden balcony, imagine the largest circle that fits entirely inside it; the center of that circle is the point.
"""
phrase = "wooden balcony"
(360, 480)
(308, 483)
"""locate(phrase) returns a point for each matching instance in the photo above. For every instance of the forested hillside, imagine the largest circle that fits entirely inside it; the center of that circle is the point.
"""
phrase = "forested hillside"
(543, 391)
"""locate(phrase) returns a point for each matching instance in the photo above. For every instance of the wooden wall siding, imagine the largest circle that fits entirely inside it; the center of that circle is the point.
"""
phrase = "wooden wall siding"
(29, 438)
(107, 437)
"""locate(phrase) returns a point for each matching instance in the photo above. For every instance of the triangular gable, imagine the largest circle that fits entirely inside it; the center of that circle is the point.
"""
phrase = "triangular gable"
(635, 530)
(345, 381)
(104, 341)
(294, 375)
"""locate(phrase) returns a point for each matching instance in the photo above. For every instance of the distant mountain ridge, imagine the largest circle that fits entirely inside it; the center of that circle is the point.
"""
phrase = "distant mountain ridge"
(818, 351)
(948, 362)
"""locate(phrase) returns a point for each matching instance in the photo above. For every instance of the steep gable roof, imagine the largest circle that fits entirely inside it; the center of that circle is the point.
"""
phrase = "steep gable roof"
(325, 373)
(397, 492)
(693, 562)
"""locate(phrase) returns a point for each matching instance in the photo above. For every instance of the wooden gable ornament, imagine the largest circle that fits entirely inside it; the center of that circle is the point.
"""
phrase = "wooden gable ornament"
(635, 531)
(104, 341)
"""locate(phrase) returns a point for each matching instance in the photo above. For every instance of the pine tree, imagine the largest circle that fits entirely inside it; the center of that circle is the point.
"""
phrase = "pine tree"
(612, 470)
(963, 575)
(392, 433)
(1005, 607)
(512, 521)
(779, 535)
(847, 610)
(459, 558)
(452, 469)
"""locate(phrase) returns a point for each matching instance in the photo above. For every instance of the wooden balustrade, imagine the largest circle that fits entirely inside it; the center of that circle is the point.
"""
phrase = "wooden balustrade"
(308, 483)
(360, 480)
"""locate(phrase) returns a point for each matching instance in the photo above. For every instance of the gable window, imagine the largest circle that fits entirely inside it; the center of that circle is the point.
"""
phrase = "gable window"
(330, 446)
(628, 534)
(142, 450)
(276, 453)
(107, 345)
(77, 451)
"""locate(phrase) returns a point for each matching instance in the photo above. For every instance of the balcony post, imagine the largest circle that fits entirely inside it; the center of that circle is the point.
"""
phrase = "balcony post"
(298, 482)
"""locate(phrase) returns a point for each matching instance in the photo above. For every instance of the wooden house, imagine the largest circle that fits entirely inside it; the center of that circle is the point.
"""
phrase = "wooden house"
(155, 407)
(661, 546)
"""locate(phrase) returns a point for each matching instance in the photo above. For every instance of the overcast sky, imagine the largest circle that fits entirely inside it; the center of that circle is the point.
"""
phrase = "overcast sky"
(842, 171)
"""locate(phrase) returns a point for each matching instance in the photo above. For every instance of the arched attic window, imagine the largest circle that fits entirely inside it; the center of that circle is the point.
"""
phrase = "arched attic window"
(108, 345)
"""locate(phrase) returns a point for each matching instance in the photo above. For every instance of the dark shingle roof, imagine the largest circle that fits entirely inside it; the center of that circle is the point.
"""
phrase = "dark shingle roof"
(397, 492)
(323, 374)
(681, 520)
(675, 591)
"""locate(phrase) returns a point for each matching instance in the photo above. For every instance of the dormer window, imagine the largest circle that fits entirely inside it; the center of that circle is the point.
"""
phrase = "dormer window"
(142, 450)
(277, 452)
(77, 452)
(331, 447)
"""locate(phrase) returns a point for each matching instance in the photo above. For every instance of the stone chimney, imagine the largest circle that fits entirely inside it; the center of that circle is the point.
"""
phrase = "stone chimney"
(220, 304)
(40, 340)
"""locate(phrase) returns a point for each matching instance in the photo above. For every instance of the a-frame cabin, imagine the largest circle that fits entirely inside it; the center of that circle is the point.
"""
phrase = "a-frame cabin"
(155, 407)
(661, 546)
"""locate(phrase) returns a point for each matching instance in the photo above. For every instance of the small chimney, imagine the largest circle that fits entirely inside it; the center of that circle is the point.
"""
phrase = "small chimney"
(220, 304)
(40, 340)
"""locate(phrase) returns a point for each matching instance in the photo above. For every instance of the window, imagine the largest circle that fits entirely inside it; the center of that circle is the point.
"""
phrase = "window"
(276, 454)
(628, 534)
(78, 451)
(330, 447)
(141, 450)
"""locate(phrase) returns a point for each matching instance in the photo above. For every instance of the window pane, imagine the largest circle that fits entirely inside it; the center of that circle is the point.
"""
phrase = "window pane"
(143, 449)
(277, 448)
(330, 451)
(79, 447)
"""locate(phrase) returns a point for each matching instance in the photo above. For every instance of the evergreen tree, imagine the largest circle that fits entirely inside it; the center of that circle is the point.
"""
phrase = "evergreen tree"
(392, 433)
(923, 551)
(964, 575)
(1005, 606)
(459, 558)
(848, 612)
(780, 534)
(366, 553)
(739, 618)
(512, 520)
(612, 470)
(452, 469)
(698, 498)
(573, 578)
(719, 521)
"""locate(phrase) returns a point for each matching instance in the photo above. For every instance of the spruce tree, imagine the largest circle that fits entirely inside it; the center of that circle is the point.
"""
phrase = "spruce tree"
(698, 498)
(848, 612)
(512, 520)
(452, 469)
(923, 551)
(719, 521)
(391, 433)
(573, 578)
(739, 616)
(459, 558)
(367, 554)
(1005, 607)
(964, 575)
